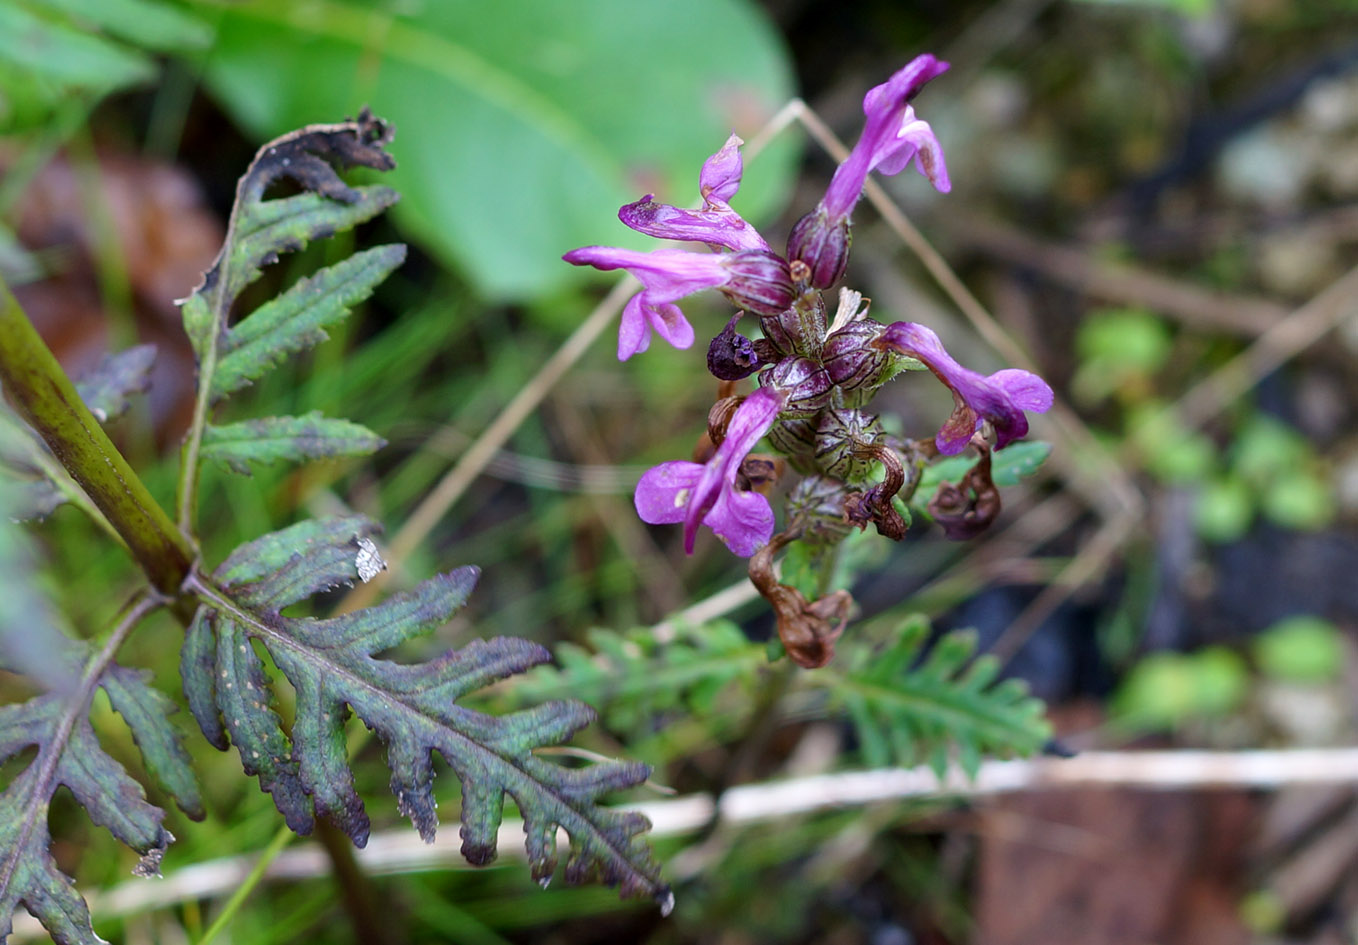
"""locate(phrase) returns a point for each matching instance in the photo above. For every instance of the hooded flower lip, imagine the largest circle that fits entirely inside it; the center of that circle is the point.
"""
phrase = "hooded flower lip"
(755, 279)
(706, 494)
(716, 224)
(1000, 398)
(892, 137)
(666, 275)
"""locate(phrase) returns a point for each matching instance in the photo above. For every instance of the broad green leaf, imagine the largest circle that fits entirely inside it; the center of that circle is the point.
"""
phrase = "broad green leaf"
(238, 446)
(333, 668)
(516, 146)
(64, 55)
(1304, 649)
(144, 23)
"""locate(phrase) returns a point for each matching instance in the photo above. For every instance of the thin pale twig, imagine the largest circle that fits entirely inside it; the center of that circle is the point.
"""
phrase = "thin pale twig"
(401, 851)
(1119, 282)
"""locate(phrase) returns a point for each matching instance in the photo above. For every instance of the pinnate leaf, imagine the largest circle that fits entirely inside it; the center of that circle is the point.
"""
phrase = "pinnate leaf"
(237, 446)
(69, 754)
(334, 667)
(910, 705)
(261, 230)
(296, 320)
(106, 389)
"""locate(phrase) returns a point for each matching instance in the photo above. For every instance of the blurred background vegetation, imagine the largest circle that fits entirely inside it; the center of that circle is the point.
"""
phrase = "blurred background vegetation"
(1157, 200)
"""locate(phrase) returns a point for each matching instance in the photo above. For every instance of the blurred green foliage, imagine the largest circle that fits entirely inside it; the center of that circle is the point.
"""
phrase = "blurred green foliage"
(515, 144)
(1304, 649)
(1165, 690)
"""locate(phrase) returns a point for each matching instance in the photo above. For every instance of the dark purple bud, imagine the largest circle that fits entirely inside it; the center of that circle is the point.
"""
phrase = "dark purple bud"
(759, 281)
(822, 244)
(805, 383)
(731, 355)
(847, 444)
(816, 504)
(854, 365)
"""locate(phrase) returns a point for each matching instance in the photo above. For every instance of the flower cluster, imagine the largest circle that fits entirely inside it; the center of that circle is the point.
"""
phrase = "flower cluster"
(815, 371)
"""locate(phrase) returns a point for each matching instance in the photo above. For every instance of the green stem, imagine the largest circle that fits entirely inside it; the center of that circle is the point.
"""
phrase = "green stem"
(44, 396)
(275, 847)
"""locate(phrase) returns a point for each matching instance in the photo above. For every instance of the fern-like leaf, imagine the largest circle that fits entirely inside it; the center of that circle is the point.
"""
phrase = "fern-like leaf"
(231, 356)
(333, 666)
(68, 753)
(633, 679)
(239, 445)
(907, 707)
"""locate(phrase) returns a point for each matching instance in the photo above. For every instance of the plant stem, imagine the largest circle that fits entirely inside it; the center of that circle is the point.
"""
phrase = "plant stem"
(45, 397)
(275, 847)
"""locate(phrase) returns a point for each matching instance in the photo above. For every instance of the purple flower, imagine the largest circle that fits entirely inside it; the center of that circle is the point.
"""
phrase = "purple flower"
(716, 224)
(892, 137)
(755, 279)
(706, 494)
(1000, 398)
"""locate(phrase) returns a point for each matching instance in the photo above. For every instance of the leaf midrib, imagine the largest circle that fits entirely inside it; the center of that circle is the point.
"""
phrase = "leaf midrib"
(221, 601)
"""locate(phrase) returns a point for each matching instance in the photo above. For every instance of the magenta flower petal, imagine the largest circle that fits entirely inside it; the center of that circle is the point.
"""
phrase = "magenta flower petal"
(756, 280)
(663, 492)
(1001, 397)
(749, 423)
(707, 494)
(742, 520)
(716, 224)
(892, 137)
(720, 176)
(666, 275)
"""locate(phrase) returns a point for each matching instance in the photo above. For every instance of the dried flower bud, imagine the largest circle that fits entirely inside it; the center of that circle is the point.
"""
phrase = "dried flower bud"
(847, 444)
(805, 382)
(816, 506)
(759, 281)
(731, 355)
(854, 365)
(807, 629)
(719, 418)
(760, 473)
(875, 505)
(968, 508)
(822, 244)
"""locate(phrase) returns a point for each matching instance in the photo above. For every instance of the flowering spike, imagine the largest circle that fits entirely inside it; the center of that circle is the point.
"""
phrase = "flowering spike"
(1000, 398)
(706, 494)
